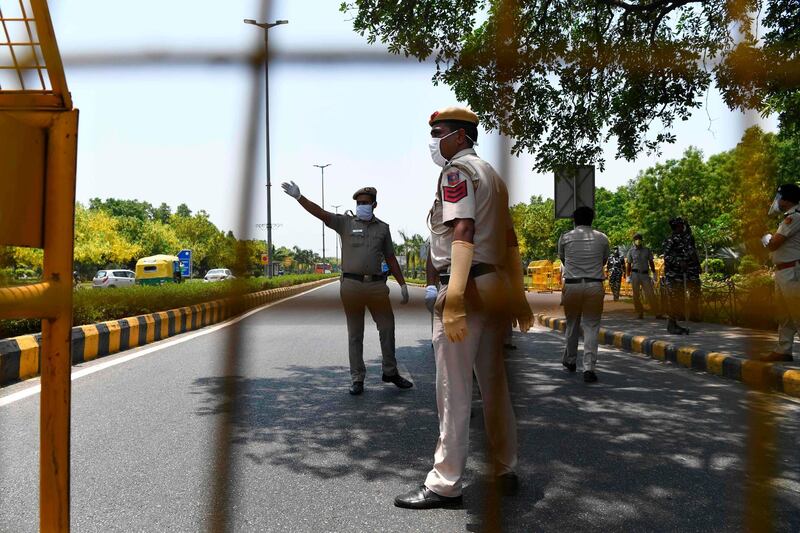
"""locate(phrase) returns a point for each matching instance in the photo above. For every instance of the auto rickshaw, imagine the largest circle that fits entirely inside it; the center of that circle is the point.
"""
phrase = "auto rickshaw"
(158, 269)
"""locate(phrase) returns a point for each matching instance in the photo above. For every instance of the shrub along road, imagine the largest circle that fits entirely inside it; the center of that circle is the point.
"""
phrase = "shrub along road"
(651, 447)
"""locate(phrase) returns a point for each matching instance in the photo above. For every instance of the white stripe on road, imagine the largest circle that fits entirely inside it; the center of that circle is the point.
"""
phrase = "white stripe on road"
(83, 372)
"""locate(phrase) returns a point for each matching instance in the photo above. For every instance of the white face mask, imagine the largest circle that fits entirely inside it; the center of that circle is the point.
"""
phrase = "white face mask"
(364, 212)
(775, 208)
(436, 153)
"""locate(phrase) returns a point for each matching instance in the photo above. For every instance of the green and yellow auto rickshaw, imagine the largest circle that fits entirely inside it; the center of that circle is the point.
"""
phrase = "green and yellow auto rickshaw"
(158, 269)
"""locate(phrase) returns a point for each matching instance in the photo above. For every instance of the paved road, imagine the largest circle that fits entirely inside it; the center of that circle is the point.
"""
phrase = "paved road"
(651, 447)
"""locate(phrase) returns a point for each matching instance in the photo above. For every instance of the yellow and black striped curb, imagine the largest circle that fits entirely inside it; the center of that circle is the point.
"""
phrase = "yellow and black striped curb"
(754, 373)
(20, 356)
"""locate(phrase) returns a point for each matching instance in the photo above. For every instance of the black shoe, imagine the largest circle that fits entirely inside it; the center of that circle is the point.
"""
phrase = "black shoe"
(776, 356)
(425, 498)
(398, 380)
(660, 317)
(640, 316)
(589, 376)
(510, 346)
(507, 483)
(357, 388)
(570, 366)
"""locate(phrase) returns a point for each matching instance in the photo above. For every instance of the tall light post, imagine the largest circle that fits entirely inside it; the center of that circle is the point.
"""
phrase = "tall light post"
(322, 169)
(266, 26)
(336, 207)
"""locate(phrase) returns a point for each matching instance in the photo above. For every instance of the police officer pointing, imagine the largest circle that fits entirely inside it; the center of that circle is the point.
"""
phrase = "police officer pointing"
(366, 240)
(472, 239)
(784, 246)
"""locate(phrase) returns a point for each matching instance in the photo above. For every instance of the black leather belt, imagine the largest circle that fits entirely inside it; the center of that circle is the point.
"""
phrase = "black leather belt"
(362, 278)
(477, 270)
(571, 281)
(640, 271)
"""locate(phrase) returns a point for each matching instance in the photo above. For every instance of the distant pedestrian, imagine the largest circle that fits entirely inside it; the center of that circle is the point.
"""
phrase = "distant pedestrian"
(639, 266)
(615, 269)
(366, 242)
(675, 273)
(583, 253)
(693, 283)
(784, 247)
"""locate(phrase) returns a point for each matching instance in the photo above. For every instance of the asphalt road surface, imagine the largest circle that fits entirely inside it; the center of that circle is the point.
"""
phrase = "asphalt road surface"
(651, 447)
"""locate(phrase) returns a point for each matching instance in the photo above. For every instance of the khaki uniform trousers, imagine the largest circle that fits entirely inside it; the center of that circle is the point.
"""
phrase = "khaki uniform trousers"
(583, 306)
(787, 292)
(373, 295)
(482, 352)
(642, 282)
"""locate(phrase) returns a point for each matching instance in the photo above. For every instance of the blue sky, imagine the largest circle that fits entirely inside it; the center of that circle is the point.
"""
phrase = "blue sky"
(175, 134)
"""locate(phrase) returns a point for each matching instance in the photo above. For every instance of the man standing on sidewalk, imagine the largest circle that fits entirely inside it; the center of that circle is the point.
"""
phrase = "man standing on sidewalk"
(639, 266)
(785, 254)
(366, 241)
(676, 257)
(583, 253)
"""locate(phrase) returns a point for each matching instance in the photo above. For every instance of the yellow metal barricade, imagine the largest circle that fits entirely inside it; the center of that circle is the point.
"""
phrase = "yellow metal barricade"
(540, 273)
(556, 281)
(38, 153)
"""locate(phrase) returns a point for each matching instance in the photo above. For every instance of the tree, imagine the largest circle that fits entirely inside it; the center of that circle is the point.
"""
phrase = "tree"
(562, 77)
(537, 229)
(162, 213)
(98, 240)
(123, 208)
(183, 211)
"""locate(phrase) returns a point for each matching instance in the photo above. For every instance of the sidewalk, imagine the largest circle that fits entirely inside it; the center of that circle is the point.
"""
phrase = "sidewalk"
(723, 350)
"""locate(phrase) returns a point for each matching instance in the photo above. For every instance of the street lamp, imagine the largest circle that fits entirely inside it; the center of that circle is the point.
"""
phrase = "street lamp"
(336, 207)
(322, 169)
(266, 26)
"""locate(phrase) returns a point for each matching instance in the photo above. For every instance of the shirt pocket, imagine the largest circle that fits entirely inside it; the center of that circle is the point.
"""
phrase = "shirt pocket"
(358, 237)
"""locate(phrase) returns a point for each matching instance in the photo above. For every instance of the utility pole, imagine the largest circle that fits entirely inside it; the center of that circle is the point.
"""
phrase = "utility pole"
(322, 169)
(336, 207)
(266, 26)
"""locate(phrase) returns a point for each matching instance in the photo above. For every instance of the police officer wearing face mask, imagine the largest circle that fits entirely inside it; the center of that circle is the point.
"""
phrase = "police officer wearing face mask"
(640, 265)
(474, 255)
(784, 247)
(366, 241)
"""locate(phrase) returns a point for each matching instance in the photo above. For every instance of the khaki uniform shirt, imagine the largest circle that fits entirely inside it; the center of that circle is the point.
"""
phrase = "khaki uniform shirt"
(639, 259)
(470, 188)
(789, 228)
(364, 244)
(583, 253)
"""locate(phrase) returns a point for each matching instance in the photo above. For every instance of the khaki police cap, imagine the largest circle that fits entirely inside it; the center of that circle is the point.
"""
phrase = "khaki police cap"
(453, 113)
(372, 191)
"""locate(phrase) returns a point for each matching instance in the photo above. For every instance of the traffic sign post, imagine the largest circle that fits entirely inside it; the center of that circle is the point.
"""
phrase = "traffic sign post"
(574, 188)
(185, 259)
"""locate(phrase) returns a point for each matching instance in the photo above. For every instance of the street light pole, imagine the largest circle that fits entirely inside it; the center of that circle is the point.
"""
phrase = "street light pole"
(266, 26)
(336, 207)
(322, 168)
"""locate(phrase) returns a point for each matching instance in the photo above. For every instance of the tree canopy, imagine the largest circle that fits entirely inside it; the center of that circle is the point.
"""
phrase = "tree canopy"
(562, 77)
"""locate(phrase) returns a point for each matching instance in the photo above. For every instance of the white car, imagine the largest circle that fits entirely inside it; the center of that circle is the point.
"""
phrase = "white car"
(218, 274)
(111, 279)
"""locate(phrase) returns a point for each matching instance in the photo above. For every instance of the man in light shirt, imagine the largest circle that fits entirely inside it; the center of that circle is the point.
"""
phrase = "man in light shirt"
(583, 253)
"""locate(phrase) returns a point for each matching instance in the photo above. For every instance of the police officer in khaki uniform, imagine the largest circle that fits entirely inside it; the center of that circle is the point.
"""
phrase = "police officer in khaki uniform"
(639, 266)
(472, 239)
(784, 246)
(366, 241)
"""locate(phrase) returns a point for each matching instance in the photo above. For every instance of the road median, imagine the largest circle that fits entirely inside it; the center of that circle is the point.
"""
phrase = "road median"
(20, 356)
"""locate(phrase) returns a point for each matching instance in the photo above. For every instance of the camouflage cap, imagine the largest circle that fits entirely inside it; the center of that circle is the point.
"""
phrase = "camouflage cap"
(372, 191)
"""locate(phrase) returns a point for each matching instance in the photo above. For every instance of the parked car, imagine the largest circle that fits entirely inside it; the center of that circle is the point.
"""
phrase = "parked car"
(111, 279)
(218, 274)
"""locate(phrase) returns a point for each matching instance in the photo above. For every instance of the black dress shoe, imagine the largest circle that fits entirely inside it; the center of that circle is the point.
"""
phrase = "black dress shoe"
(660, 317)
(570, 366)
(776, 356)
(357, 388)
(398, 380)
(508, 483)
(425, 498)
(589, 376)
(509, 346)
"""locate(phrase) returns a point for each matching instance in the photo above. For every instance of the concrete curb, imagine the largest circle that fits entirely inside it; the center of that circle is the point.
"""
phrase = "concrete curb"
(754, 373)
(20, 356)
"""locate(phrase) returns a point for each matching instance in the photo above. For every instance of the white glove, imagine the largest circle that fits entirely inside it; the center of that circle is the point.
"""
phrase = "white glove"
(628, 279)
(431, 292)
(291, 189)
(765, 240)
(404, 292)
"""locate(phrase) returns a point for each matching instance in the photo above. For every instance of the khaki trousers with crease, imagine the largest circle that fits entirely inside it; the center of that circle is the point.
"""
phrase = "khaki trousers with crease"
(583, 306)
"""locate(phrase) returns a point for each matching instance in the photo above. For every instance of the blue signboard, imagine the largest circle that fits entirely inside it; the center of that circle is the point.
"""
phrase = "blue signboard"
(185, 257)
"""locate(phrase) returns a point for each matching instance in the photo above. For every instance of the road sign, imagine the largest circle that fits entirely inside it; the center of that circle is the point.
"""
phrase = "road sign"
(264, 259)
(185, 258)
(574, 188)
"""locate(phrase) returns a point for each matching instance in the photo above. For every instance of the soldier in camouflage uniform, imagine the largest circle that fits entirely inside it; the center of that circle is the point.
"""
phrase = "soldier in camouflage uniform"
(614, 268)
(676, 259)
(692, 275)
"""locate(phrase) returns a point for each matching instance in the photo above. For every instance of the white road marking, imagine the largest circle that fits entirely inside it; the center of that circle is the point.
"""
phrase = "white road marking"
(83, 372)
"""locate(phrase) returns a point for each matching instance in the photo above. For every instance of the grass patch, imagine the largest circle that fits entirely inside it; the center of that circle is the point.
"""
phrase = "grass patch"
(98, 305)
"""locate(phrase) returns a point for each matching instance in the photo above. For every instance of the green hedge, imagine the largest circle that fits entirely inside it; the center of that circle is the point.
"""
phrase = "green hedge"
(98, 305)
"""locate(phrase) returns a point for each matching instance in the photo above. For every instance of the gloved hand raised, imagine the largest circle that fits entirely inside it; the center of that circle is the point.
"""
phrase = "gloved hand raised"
(430, 296)
(291, 189)
(404, 292)
(765, 240)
